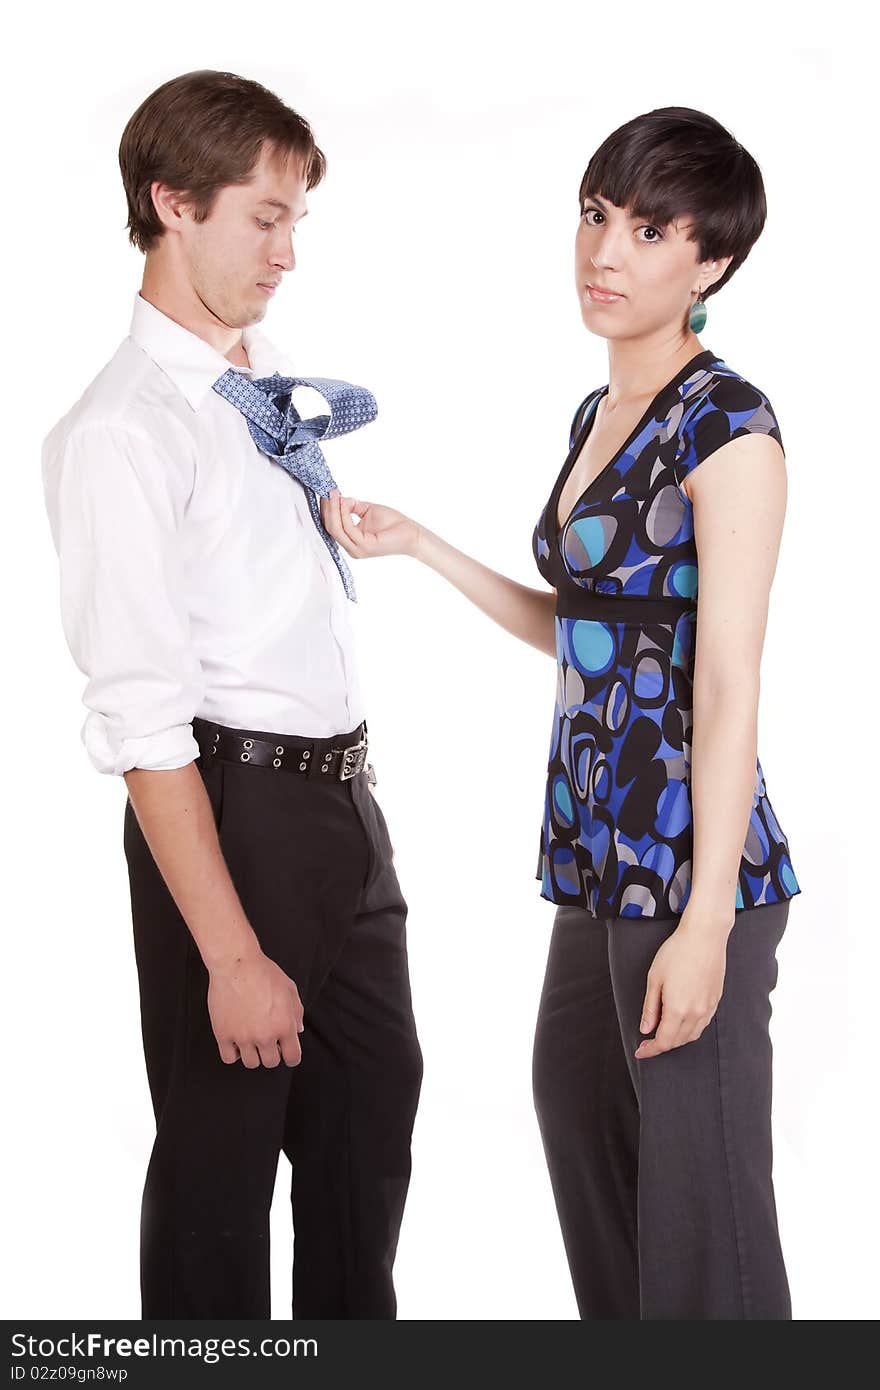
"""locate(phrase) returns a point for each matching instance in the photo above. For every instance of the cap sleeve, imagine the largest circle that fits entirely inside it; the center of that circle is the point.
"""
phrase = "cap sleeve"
(730, 408)
(579, 416)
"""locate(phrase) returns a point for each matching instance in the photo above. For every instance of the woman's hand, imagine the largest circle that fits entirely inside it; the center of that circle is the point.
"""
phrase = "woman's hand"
(685, 983)
(380, 531)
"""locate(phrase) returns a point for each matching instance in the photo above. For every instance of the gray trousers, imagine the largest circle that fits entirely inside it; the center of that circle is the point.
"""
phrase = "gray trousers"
(661, 1168)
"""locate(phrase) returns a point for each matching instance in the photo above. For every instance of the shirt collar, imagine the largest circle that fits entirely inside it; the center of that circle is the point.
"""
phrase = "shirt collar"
(191, 363)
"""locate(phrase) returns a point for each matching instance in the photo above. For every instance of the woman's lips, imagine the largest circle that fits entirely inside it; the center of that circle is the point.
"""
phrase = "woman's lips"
(602, 296)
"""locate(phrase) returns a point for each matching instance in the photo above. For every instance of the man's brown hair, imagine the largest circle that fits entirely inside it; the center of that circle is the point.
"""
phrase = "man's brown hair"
(199, 133)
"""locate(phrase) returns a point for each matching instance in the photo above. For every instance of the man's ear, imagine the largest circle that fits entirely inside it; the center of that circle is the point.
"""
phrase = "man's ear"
(170, 204)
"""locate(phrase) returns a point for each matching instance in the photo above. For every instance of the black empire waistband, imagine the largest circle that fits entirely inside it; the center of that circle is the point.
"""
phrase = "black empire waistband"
(612, 608)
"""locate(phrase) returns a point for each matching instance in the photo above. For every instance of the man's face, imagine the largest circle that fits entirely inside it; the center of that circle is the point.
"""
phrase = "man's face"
(246, 244)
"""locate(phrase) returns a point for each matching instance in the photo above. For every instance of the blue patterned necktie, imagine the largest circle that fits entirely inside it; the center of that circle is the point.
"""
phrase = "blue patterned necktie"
(279, 431)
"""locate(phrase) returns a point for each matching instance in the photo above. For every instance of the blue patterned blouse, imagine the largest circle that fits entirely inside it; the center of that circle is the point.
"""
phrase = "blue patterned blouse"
(617, 834)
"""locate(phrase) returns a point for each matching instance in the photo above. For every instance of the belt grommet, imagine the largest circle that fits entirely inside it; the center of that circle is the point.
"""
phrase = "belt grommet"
(248, 743)
(327, 757)
(214, 748)
(245, 757)
(303, 766)
(216, 736)
(306, 753)
(276, 762)
(280, 748)
(324, 768)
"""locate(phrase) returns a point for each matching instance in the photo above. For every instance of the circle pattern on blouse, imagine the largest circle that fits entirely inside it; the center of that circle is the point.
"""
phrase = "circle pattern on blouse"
(617, 832)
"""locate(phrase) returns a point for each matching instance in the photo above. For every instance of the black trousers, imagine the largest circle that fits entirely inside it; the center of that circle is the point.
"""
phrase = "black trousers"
(661, 1168)
(311, 860)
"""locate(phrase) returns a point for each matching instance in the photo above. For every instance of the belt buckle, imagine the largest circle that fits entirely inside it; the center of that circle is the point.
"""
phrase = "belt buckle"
(353, 760)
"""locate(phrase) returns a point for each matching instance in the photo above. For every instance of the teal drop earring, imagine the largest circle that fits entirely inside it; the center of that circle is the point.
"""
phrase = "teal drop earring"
(697, 317)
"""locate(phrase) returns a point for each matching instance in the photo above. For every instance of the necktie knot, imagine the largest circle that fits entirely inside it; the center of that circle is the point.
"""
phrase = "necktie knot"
(280, 432)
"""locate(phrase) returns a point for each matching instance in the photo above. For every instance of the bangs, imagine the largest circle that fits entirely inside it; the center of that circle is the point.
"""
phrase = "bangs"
(675, 164)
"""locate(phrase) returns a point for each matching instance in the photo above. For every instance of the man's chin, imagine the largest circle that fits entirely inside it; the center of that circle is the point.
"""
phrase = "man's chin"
(245, 316)
(255, 312)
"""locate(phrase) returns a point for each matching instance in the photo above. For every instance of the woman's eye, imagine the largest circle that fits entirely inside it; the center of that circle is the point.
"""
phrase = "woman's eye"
(264, 225)
(588, 212)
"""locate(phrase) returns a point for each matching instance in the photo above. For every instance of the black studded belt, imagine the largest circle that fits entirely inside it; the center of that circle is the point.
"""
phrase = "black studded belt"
(340, 757)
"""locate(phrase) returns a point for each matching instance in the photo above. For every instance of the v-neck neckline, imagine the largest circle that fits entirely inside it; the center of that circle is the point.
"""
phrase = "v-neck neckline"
(702, 358)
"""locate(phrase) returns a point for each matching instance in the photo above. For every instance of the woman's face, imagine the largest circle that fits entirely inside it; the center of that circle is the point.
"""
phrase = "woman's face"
(653, 271)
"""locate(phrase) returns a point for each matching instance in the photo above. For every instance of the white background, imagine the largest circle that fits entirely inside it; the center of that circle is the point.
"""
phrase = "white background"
(436, 267)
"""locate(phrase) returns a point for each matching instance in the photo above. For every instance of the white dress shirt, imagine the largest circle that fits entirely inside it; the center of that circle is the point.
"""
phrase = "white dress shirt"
(193, 578)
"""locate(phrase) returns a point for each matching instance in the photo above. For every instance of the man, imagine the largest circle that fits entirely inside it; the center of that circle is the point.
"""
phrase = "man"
(211, 613)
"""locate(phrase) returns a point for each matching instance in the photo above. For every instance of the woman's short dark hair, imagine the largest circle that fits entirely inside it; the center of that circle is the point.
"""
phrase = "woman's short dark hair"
(674, 163)
(199, 133)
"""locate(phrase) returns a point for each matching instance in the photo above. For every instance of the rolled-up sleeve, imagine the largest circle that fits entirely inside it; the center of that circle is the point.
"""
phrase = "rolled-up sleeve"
(116, 506)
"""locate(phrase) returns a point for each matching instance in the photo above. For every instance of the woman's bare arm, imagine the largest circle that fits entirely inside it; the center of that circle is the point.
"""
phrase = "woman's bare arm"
(739, 500)
(739, 495)
(528, 614)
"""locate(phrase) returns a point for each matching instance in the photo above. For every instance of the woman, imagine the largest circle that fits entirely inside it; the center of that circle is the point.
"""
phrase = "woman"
(671, 874)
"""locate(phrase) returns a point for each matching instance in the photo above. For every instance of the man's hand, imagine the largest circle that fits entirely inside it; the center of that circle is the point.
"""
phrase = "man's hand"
(256, 1012)
(684, 987)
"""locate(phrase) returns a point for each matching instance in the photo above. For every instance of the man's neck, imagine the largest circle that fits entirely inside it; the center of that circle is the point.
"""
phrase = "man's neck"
(192, 316)
(237, 356)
